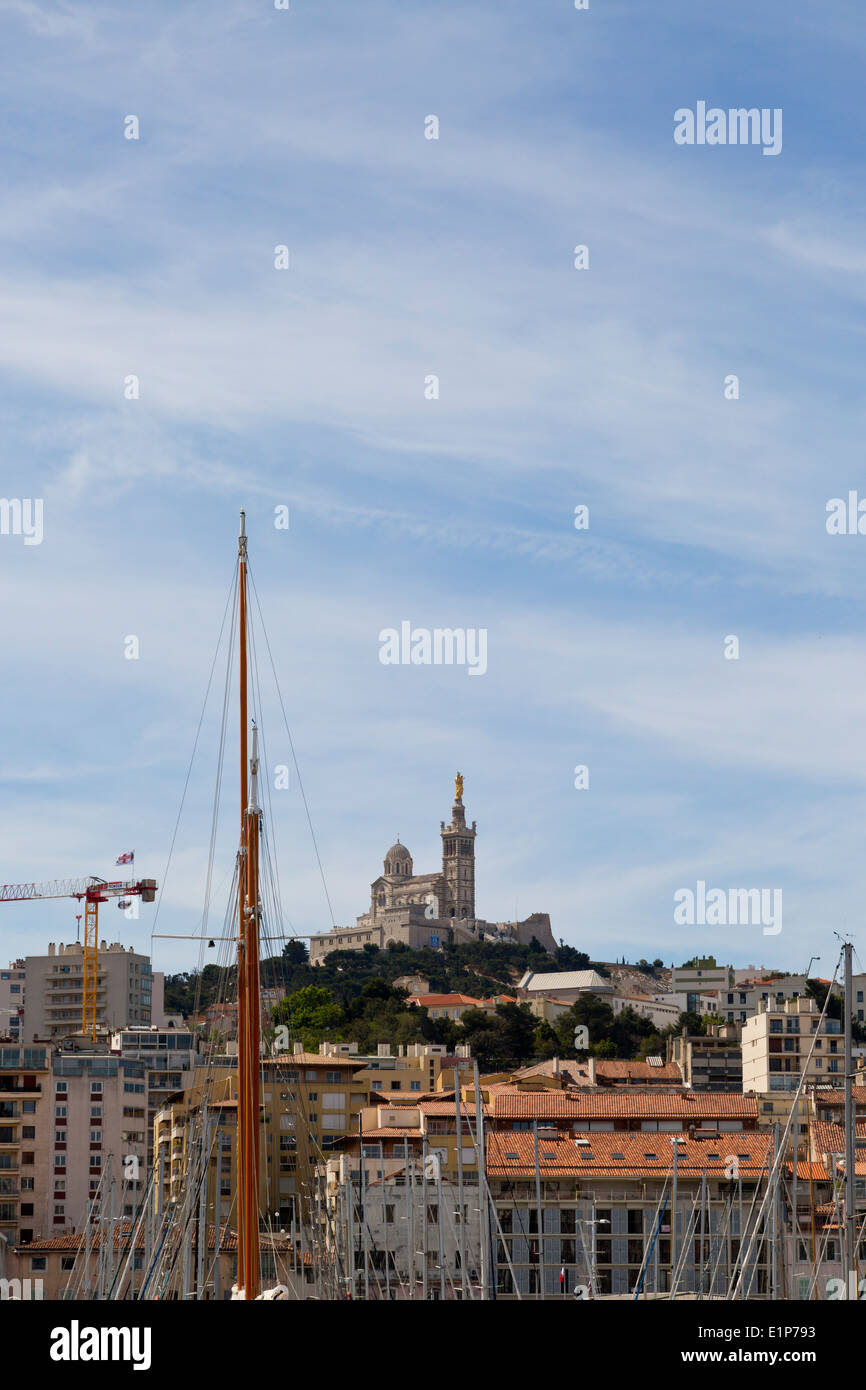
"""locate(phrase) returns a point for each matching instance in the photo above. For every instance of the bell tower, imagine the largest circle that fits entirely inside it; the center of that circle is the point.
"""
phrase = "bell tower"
(458, 860)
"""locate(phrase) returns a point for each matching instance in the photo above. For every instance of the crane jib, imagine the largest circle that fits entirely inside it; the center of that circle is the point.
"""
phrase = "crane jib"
(91, 887)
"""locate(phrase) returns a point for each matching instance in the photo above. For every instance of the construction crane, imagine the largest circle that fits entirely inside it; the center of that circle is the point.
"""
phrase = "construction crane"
(92, 891)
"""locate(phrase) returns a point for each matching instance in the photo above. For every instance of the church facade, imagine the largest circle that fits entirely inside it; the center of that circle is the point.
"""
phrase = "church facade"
(429, 909)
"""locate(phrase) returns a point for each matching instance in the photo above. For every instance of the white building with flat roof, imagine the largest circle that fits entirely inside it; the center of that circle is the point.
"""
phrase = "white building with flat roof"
(567, 985)
(777, 1042)
(54, 990)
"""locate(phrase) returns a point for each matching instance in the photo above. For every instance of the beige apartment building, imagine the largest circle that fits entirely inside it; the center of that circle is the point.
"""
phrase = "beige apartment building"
(308, 1102)
(777, 1041)
(128, 992)
(406, 1067)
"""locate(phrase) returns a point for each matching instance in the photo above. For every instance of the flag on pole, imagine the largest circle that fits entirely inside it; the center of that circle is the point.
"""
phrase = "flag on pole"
(128, 858)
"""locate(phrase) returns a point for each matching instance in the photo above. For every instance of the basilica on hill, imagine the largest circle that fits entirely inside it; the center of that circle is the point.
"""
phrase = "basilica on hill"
(429, 909)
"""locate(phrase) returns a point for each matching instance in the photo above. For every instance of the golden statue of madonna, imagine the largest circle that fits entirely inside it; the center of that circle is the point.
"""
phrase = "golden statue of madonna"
(458, 787)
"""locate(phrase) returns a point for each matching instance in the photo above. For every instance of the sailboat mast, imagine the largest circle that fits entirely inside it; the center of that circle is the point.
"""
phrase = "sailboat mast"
(850, 1147)
(248, 976)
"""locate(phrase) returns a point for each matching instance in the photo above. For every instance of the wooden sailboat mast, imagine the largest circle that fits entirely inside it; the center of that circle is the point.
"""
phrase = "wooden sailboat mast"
(248, 973)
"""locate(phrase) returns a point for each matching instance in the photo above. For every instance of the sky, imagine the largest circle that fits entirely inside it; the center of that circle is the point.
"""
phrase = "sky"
(304, 387)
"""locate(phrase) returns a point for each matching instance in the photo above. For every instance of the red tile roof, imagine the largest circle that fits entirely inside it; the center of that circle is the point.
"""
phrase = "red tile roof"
(443, 1001)
(816, 1172)
(616, 1069)
(591, 1105)
(830, 1139)
(596, 1158)
(827, 1098)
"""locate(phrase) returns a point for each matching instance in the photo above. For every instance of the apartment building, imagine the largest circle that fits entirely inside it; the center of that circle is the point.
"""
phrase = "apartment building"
(429, 1128)
(401, 1228)
(406, 1067)
(11, 1001)
(858, 995)
(660, 1011)
(169, 1056)
(54, 985)
(698, 977)
(711, 1062)
(97, 1130)
(777, 1041)
(309, 1102)
(24, 1135)
(594, 1213)
(452, 1006)
(740, 1001)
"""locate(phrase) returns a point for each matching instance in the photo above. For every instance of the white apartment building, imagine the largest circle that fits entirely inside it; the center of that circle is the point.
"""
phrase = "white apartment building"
(169, 1056)
(858, 987)
(740, 1001)
(660, 1012)
(701, 977)
(777, 1041)
(53, 996)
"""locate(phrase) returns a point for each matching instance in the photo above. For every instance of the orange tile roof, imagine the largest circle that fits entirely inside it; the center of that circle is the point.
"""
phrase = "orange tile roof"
(830, 1139)
(617, 1068)
(816, 1172)
(829, 1097)
(596, 1158)
(443, 1001)
(448, 1107)
(553, 1067)
(587, 1105)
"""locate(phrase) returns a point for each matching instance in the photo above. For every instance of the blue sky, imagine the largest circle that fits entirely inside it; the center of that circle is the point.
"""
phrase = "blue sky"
(558, 387)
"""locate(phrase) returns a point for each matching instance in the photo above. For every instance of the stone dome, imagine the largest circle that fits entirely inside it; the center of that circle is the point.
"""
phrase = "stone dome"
(398, 860)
